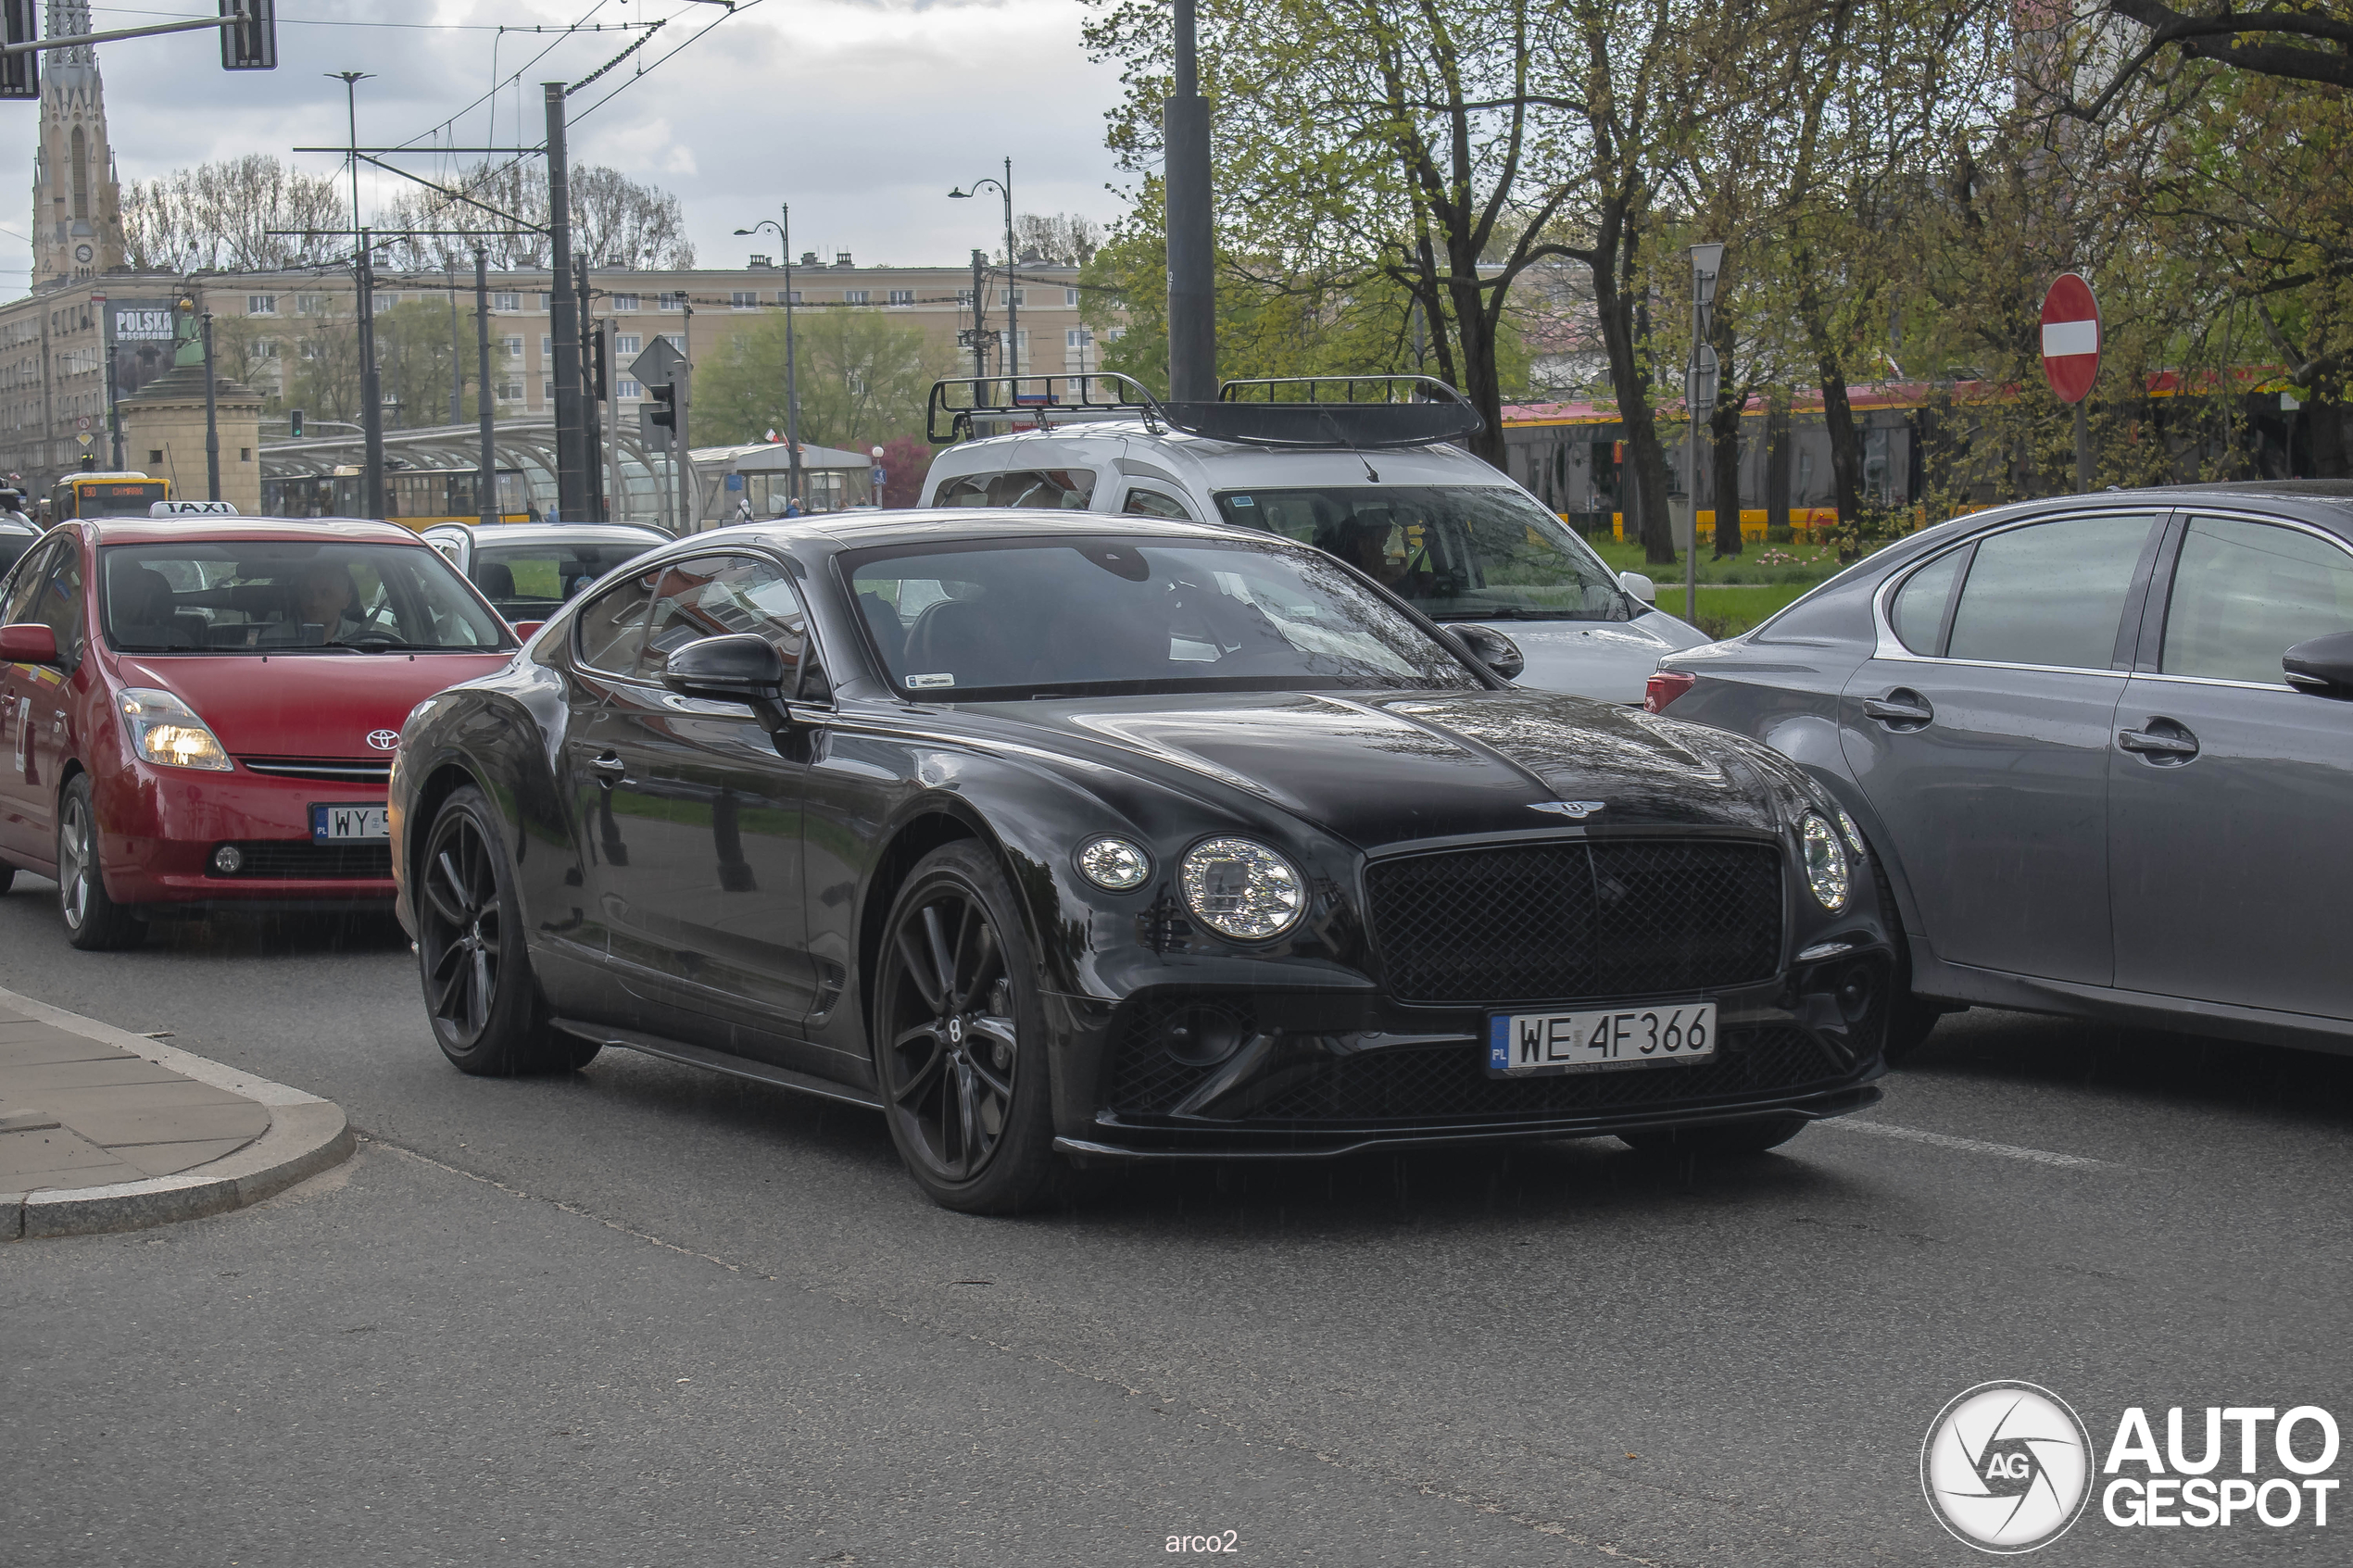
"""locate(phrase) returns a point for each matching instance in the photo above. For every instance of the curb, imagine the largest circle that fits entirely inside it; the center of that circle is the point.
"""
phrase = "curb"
(307, 1135)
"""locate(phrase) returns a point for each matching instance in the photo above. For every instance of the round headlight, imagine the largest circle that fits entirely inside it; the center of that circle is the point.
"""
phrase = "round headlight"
(1241, 889)
(1854, 834)
(1826, 870)
(1114, 863)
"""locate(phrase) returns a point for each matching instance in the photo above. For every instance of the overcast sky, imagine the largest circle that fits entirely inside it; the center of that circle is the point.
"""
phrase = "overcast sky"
(861, 113)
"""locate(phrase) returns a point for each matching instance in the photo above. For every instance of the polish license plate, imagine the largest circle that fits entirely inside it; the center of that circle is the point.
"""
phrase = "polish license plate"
(349, 825)
(1531, 1045)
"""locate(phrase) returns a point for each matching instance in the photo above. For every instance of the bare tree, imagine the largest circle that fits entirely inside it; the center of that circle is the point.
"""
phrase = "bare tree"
(220, 217)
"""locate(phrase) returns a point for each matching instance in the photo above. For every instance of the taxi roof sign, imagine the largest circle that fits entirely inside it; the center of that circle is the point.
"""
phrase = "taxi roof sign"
(191, 508)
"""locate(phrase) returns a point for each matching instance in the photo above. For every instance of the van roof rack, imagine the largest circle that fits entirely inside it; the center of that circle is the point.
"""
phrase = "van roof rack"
(1373, 412)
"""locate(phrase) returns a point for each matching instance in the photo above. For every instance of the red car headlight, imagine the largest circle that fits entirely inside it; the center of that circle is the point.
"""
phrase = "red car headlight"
(166, 731)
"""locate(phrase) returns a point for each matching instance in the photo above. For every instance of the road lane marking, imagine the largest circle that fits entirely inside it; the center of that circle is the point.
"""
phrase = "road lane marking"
(1973, 1145)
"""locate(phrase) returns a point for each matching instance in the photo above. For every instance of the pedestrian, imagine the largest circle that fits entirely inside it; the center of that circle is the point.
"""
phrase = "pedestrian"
(743, 509)
(792, 507)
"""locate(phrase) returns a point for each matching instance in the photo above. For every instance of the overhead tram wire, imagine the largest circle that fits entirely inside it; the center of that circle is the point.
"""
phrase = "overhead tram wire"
(734, 10)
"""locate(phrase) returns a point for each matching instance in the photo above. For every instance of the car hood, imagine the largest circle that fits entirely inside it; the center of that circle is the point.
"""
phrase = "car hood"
(1408, 766)
(305, 705)
(1608, 660)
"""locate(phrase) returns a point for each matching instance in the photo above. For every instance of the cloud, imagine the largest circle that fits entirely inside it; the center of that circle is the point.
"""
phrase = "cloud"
(861, 113)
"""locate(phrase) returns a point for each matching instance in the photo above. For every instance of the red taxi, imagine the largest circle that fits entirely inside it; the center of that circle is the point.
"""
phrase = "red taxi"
(202, 713)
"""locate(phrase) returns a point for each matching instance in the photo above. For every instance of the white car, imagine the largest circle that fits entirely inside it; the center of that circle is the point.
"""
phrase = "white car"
(1432, 523)
(528, 570)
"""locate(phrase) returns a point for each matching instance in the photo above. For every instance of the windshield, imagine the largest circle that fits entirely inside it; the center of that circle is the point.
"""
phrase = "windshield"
(531, 581)
(1459, 552)
(276, 596)
(1113, 616)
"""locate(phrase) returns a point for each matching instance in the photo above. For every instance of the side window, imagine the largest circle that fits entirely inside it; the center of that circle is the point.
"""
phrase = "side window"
(25, 584)
(1918, 611)
(1068, 490)
(714, 595)
(1154, 503)
(2244, 593)
(2051, 594)
(613, 627)
(58, 599)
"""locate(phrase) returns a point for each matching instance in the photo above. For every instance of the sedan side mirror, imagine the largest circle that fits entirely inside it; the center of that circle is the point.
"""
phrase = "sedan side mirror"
(2322, 666)
(29, 641)
(1493, 649)
(743, 668)
(1639, 586)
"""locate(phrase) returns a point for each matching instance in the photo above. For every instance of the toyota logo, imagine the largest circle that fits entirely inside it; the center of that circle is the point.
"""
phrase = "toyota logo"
(384, 740)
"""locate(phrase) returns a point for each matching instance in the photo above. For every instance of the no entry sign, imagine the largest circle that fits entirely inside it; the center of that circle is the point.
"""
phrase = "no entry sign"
(2071, 337)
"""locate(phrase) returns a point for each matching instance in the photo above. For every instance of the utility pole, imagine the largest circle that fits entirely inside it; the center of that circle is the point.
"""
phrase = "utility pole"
(1013, 293)
(372, 403)
(457, 352)
(980, 339)
(211, 421)
(489, 496)
(571, 469)
(688, 513)
(592, 434)
(1699, 390)
(1192, 289)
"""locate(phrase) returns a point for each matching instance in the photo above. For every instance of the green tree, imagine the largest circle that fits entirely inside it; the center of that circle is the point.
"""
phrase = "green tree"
(865, 376)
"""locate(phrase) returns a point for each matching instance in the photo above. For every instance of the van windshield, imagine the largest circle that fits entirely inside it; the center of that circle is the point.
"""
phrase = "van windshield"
(1458, 552)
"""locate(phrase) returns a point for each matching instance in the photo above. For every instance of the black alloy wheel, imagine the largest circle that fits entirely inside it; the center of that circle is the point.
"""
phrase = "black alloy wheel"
(95, 923)
(487, 1011)
(956, 1041)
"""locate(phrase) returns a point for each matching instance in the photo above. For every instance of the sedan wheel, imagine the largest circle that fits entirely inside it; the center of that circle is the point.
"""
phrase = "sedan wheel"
(486, 1008)
(963, 1074)
(95, 923)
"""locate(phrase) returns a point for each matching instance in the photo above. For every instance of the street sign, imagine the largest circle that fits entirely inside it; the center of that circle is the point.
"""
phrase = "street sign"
(659, 364)
(2071, 337)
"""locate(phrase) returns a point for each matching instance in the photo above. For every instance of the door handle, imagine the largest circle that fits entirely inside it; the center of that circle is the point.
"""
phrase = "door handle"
(2162, 741)
(1899, 709)
(610, 769)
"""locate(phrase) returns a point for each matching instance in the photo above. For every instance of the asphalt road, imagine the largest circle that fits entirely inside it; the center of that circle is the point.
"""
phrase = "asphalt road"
(651, 1316)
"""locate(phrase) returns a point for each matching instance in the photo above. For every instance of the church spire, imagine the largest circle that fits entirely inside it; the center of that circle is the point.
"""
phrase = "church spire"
(77, 207)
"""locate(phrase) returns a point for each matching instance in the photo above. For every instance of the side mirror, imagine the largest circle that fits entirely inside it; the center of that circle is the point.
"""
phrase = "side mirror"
(1493, 649)
(2322, 666)
(743, 668)
(1639, 586)
(29, 641)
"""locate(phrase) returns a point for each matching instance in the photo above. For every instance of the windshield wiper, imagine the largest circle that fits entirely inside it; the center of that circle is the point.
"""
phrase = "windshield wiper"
(411, 647)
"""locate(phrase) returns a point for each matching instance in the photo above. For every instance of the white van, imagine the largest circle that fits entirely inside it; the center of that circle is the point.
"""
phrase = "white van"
(1366, 481)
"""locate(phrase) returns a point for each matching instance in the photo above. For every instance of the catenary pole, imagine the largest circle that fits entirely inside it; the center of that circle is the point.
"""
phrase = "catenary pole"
(1192, 303)
(211, 421)
(571, 476)
(489, 484)
(372, 408)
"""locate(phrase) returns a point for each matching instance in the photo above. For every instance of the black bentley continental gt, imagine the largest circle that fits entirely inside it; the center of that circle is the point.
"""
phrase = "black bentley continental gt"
(1064, 838)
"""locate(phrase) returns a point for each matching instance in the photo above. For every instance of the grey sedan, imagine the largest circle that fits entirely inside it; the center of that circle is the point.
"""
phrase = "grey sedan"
(2102, 747)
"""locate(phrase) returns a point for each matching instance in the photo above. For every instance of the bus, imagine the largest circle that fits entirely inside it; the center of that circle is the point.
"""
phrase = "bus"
(105, 494)
(414, 497)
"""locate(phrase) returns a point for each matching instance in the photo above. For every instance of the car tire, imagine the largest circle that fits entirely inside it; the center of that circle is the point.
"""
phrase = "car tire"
(488, 1014)
(7, 876)
(1909, 1017)
(957, 1033)
(1719, 1140)
(95, 923)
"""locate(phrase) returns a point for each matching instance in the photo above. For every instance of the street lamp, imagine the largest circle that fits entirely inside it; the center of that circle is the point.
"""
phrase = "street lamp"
(1012, 316)
(792, 389)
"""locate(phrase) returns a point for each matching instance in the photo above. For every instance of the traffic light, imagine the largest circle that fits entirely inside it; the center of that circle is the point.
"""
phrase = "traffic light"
(293, 418)
(19, 74)
(664, 395)
(597, 385)
(250, 44)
